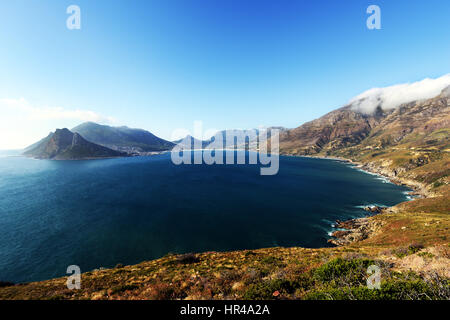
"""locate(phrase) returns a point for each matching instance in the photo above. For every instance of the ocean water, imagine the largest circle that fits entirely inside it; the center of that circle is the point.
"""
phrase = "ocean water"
(100, 213)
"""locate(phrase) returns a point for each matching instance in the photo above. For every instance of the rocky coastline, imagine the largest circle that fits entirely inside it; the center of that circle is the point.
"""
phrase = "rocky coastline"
(354, 230)
(359, 229)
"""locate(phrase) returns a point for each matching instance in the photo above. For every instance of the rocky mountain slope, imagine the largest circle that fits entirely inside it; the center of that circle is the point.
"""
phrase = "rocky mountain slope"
(189, 142)
(122, 138)
(338, 129)
(409, 143)
(66, 145)
(347, 127)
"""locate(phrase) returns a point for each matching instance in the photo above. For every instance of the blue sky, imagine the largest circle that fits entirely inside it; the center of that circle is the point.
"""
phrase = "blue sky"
(160, 65)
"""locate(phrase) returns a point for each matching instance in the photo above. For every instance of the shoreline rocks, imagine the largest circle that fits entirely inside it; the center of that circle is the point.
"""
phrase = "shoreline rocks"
(353, 230)
(418, 188)
(373, 209)
(360, 229)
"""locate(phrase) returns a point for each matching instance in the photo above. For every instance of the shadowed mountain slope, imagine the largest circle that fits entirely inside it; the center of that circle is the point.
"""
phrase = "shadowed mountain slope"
(122, 138)
(66, 145)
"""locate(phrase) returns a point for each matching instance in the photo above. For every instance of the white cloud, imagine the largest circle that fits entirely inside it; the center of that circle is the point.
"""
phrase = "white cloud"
(22, 123)
(392, 97)
(51, 113)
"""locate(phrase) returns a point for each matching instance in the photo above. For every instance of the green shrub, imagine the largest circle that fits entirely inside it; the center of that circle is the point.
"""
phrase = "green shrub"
(271, 260)
(122, 288)
(390, 290)
(352, 272)
(426, 255)
(187, 258)
(406, 251)
(264, 290)
(437, 184)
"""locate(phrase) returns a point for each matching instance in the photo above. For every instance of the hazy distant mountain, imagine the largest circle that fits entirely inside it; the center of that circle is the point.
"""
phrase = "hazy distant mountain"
(241, 138)
(189, 142)
(9, 153)
(247, 138)
(122, 138)
(66, 145)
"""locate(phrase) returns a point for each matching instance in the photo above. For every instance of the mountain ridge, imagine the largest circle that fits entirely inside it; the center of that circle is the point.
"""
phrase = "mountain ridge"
(133, 141)
(66, 145)
(244, 139)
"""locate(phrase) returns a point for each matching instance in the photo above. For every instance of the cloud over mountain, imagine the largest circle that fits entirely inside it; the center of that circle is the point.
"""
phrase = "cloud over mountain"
(391, 97)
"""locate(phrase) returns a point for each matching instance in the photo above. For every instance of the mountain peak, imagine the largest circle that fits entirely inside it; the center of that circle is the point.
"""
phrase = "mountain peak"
(63, 130)
(63, 144)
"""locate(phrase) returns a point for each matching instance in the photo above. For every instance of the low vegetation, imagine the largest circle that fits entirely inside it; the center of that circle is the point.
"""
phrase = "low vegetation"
(289, 273)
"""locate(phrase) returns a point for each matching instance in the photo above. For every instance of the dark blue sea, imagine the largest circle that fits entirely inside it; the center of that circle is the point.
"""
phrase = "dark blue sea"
(100, 213)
